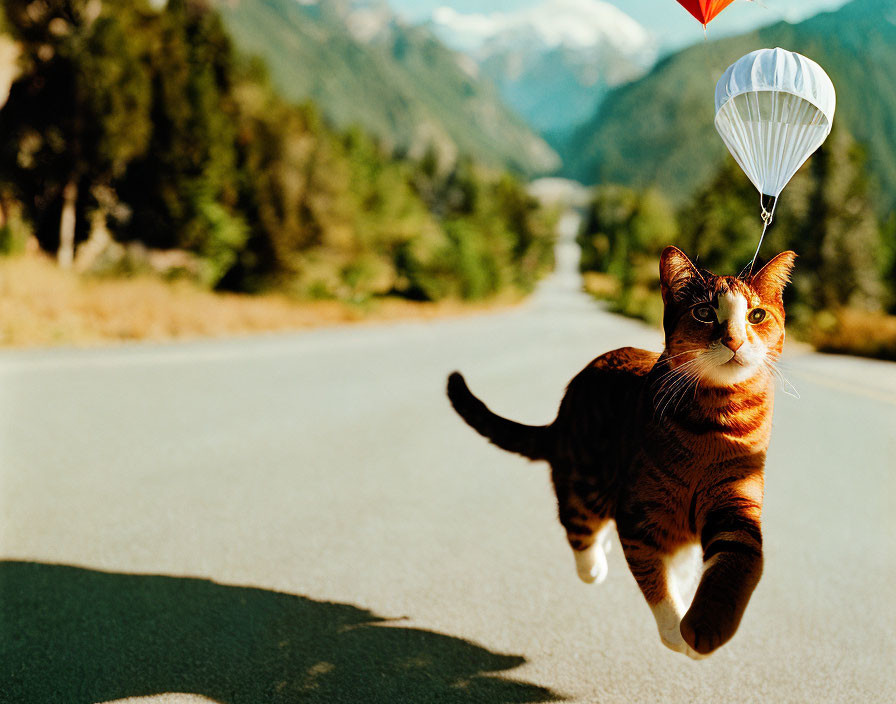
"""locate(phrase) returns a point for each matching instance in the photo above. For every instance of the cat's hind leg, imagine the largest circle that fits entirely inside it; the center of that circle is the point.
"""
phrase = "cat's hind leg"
(587, 517)
(591, 563)
(589, 541)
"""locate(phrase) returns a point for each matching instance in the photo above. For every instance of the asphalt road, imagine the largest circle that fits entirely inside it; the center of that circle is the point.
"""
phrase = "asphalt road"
(303, 518)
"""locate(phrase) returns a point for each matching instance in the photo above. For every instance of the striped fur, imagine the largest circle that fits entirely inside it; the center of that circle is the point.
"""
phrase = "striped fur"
(670, 446)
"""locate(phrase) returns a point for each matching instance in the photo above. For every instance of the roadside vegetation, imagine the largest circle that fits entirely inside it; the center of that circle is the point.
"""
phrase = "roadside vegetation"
(137, 142)
(843, 295)
(41, 304)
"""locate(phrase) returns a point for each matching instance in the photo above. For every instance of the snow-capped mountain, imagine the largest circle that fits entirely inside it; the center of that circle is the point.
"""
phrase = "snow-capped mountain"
(569, 23)
(553, 62)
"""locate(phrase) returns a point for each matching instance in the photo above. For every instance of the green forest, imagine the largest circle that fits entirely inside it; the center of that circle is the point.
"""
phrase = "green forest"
(148, 125)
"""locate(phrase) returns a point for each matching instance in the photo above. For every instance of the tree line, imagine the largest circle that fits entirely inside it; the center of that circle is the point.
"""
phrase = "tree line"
(145, 123)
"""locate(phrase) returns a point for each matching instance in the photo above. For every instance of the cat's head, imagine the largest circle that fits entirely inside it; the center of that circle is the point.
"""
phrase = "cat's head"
(723, 328)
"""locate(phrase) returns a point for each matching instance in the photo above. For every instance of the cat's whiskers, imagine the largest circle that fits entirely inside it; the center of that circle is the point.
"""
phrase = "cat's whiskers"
(692, 382)
(665, 360)
(682, 378)
(697, 378)
(674, 370)
(670, 377)
(786, 386)
(679, 393)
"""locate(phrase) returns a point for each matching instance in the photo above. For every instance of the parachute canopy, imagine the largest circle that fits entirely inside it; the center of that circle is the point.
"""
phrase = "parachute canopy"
(774, 108)
(704, 10)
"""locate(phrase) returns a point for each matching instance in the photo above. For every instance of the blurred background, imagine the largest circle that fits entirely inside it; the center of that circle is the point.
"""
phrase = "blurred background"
(347, 159)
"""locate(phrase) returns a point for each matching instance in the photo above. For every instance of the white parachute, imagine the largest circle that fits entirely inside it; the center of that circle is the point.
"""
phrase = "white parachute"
(774, 108)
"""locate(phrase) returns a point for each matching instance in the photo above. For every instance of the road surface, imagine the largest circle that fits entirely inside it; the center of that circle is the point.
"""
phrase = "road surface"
(303, 518)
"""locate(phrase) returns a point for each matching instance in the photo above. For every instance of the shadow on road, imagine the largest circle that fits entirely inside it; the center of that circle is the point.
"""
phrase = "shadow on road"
(81, 636)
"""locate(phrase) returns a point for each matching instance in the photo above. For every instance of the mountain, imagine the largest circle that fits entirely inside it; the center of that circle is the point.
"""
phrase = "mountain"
(553, 62)
(364, 66)
(659, 129)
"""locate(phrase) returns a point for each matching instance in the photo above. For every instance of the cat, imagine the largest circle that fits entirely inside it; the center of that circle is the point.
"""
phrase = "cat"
(670, 447)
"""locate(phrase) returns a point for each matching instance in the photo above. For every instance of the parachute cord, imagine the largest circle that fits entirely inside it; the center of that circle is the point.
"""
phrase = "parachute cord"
(707, 59)
(767, 218)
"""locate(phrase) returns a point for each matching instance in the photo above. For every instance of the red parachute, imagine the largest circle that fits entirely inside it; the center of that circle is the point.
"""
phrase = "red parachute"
(704, 10)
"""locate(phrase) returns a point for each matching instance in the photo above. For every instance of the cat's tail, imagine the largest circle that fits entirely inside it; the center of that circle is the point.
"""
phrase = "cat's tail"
(532, 441)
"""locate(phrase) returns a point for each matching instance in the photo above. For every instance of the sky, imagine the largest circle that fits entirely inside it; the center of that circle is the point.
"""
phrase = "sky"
(665, 19)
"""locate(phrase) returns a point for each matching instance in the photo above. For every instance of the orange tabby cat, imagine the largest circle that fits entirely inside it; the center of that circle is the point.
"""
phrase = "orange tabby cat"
(671, 447)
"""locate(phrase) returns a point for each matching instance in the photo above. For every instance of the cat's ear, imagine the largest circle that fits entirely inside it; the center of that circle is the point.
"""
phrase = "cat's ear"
(676, 271)
(770, 280)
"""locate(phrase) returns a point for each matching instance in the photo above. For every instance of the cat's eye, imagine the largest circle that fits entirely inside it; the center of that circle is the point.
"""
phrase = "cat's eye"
(705, 314)
(756, 316)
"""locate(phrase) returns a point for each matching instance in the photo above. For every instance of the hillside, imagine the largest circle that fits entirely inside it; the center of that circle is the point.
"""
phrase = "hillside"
(553, 61)
(363, 66)
(659, 129)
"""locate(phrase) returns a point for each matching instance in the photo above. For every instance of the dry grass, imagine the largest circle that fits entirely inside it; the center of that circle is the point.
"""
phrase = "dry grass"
(856, 332)
(41, 305)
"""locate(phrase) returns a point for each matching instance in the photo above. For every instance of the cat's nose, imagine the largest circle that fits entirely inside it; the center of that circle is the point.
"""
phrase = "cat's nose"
(733, 343)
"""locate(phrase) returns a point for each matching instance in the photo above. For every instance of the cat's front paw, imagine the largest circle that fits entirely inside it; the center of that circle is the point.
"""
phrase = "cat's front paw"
(704, 634)
(673, 640)
(667, 613)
